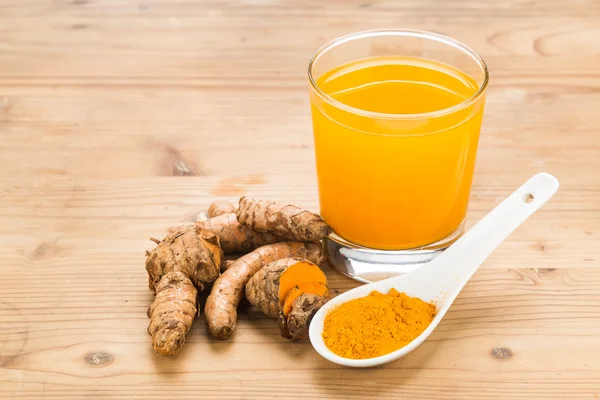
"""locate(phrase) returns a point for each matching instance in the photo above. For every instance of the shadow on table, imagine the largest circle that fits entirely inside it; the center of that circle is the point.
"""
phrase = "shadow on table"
(337, 381)
(266, 330)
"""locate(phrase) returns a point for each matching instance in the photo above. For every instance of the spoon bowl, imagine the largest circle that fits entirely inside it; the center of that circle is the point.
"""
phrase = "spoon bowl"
(441, 280)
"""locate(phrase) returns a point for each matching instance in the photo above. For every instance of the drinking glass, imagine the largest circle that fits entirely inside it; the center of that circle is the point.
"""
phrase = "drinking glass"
(396, 120)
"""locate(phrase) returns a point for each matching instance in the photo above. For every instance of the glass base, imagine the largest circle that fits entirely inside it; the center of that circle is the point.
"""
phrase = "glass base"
(369, 265)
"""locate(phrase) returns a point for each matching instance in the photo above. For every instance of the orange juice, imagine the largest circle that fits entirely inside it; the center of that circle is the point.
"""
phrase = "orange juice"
(395, 144)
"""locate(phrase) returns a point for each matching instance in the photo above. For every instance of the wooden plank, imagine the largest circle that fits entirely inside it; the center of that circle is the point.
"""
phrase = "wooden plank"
(71, 133)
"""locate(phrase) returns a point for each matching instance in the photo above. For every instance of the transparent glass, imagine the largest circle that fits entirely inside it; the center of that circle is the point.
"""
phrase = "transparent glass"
(395, 172)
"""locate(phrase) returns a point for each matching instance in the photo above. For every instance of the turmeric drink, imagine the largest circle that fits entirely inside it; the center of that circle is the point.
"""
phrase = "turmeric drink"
(395, 145)
(376, 324)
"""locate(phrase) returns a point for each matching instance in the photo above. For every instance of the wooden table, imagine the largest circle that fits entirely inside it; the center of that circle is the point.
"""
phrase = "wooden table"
(120, 118)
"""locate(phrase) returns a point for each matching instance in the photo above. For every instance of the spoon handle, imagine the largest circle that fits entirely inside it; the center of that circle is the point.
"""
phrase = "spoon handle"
(471, 250)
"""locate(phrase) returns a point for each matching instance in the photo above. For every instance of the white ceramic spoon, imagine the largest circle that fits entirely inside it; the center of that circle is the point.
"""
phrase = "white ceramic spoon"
(442, 279)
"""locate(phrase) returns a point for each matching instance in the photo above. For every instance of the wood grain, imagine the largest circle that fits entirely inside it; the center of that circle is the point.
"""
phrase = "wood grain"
(120, 118)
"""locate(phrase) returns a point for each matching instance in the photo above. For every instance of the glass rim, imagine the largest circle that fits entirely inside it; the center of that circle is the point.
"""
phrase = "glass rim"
(399, 32)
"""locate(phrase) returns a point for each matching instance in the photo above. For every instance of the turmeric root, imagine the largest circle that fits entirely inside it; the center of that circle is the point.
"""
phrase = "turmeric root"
(290, 289)
(228, 290)
(172, 312)
(270, 286)
(295, 325)
(182, 263)
(283, 220)
(318, 289)
(220, 207)
(234, 237)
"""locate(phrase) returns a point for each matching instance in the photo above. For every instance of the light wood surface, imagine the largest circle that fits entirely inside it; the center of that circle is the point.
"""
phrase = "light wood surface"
(119, 118)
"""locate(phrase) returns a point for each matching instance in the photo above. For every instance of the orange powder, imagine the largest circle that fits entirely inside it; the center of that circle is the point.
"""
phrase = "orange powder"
(377, 324)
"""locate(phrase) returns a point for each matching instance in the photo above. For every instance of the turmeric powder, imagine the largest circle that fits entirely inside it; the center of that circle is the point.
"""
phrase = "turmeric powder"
(376, 324)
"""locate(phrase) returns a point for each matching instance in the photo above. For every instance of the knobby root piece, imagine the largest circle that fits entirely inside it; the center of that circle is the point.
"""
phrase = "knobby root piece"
(295, 325)
(283, 220)
(235, 237)
(269, 288)
(276, 289)
(318, 289)
(172, 312)
(228, 290)
(220, 207)
(188, 249)
(185, 261)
